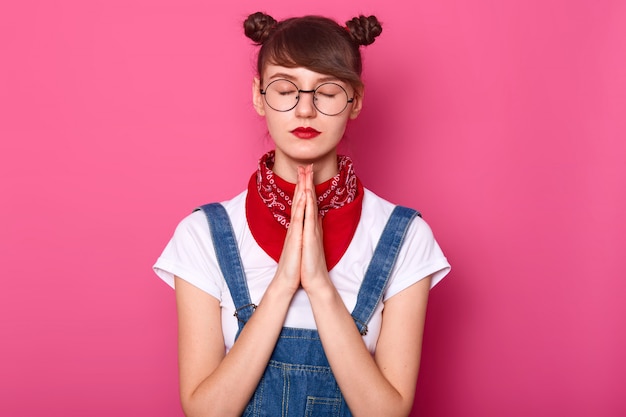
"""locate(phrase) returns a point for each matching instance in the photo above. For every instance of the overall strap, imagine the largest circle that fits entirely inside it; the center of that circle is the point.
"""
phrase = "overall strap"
(379, 269)
(229, 259)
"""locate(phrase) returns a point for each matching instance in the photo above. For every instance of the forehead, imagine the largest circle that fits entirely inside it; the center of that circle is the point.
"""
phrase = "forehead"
(299, 75)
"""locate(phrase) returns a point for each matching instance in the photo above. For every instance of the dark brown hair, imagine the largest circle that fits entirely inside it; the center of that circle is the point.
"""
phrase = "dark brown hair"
(317, 43)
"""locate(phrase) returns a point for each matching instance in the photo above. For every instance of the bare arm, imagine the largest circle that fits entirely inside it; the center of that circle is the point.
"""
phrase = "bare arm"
(379, 386)
(207, 375)
(384, 384)
(215, 384)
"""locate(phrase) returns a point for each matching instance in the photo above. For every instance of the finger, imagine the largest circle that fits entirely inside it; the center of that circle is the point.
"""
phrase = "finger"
(298, 210)
(311, 209)
(313, 260)
(298, 194)
(309, 177)
(311, 216)
(292, 246)
(299, 184)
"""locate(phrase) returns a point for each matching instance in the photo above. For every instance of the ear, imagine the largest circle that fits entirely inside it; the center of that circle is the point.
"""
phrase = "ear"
(357, 104)
(257, 97)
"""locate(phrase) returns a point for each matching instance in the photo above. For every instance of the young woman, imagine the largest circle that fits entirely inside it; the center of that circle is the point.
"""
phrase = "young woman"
(305, 295)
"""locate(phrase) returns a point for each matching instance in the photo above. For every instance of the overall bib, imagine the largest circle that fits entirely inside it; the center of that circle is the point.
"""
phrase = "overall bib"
(298, 381)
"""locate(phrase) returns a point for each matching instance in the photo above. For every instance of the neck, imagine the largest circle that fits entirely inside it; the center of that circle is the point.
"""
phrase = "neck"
(323, 168)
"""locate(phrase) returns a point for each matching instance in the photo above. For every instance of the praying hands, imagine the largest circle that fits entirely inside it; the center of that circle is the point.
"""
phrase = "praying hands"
(302, 262)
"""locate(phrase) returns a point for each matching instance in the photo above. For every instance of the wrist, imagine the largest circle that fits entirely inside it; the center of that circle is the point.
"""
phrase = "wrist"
(322, 292)
(280, 289)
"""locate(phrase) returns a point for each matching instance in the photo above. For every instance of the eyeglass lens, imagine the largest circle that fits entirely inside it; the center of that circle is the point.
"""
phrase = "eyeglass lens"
(328, 98)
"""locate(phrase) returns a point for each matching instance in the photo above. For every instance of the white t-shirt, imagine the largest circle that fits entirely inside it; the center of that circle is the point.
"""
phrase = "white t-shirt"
(190, 255)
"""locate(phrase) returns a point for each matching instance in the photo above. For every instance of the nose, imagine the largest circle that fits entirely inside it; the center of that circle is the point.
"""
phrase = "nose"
(305, 106)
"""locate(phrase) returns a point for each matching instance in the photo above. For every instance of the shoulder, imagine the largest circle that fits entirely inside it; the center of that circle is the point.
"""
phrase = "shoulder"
(190, 253)
(420, 254)
(197, 221)
(377, 210)
(372, 202)
(375, 214)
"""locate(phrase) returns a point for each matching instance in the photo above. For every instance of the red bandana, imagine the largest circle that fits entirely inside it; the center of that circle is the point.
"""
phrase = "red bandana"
(268, 208)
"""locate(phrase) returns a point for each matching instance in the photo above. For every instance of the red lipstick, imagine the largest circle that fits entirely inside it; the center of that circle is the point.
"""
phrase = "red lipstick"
(305, 132)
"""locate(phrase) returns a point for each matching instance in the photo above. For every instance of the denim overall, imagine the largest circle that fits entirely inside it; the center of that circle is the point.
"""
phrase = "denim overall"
(298, 381)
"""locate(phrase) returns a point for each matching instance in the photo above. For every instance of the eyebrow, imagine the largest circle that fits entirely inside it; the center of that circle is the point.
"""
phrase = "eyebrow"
(292, 78)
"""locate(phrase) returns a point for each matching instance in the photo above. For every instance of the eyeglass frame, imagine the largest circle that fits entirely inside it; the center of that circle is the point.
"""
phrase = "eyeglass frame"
(298, 90)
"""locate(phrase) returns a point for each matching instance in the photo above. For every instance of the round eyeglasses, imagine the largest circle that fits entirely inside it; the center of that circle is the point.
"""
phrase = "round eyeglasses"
(328, 98)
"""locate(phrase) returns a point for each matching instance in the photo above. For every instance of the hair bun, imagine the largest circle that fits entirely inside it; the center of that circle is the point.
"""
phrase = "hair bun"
(258, 27)
(364, 30)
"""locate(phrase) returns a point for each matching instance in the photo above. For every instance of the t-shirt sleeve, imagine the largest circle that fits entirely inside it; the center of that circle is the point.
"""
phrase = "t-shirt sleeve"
(419, 257)
(190, 255)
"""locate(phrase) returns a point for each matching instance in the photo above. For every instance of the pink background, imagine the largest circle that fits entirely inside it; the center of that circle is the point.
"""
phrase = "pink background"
(502, 121)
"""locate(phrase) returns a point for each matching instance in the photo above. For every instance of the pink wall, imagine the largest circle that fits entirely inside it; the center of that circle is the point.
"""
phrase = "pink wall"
(503, 121)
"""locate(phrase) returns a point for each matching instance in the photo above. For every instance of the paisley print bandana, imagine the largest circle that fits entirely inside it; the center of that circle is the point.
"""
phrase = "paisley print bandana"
(268, 208)
(277, 193)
